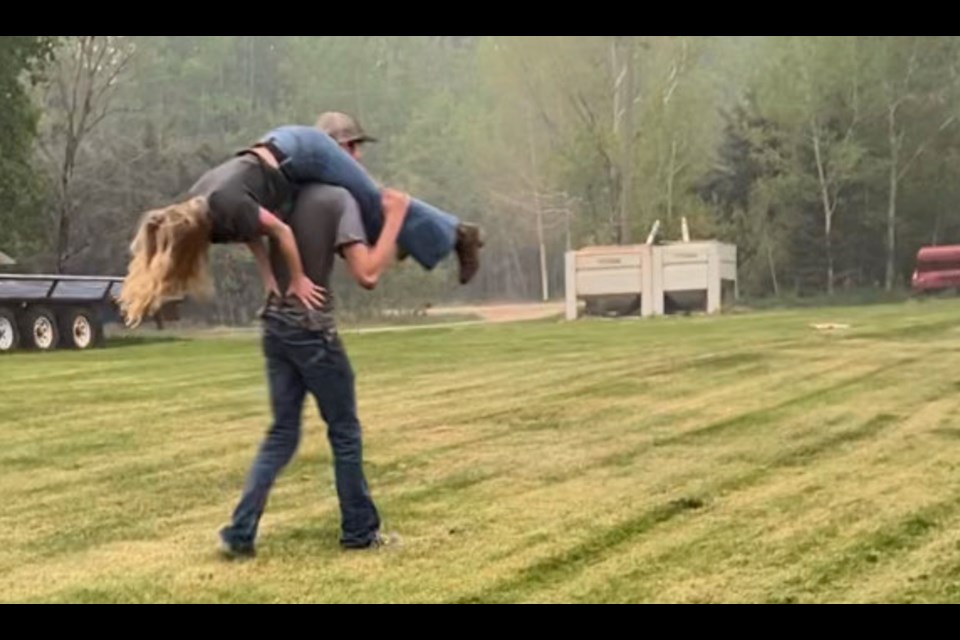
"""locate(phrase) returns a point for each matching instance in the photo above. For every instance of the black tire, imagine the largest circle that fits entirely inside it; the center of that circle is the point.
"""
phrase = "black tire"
(40, 329)
(9, 331)
(81, 328)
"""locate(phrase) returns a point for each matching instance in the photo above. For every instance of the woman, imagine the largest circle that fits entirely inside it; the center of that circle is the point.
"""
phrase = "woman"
(239, 201)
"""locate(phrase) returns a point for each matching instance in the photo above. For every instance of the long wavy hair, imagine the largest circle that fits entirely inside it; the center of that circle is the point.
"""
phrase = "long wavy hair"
(169, 259)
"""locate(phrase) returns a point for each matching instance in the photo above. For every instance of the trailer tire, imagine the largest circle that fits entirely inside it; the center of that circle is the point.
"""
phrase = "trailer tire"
(9, 331)
(81, 328)
(40, 329)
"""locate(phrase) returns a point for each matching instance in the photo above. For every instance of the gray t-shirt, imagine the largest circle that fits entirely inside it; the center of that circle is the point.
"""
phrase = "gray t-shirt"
(235, 191)
(325, 221)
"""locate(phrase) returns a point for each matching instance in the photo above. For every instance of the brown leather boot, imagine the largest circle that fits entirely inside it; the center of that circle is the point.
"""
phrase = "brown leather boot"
(468, 248)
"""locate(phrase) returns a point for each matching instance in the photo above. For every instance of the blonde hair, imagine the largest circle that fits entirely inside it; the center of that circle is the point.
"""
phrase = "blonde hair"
(169, 259)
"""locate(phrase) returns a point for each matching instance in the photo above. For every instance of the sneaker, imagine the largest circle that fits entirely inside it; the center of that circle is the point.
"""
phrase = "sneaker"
(231, 551)
(379, 542)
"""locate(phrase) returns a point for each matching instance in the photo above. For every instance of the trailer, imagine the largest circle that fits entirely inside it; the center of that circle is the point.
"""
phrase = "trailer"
(47, 312)
(937, 270)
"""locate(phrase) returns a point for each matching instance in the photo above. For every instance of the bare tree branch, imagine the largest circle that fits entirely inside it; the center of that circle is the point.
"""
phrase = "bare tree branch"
(924, 145)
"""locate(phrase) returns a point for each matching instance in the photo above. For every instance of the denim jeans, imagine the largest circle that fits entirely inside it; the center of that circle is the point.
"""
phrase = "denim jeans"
(428, 234)
(301, 362)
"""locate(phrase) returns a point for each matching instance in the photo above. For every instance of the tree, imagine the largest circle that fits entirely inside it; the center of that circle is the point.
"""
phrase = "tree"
(79, 97)
(22, 62)
(815, 89)
(915, 79)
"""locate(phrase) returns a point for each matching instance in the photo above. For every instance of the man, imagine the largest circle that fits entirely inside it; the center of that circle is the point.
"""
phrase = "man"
(305, 355)
(424, 222)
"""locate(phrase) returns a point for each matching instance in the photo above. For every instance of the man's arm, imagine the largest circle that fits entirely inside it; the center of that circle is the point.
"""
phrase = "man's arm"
(366, 265)
(301, 286)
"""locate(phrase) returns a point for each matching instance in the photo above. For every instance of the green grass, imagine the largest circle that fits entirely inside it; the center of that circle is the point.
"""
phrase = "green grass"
(747, 458)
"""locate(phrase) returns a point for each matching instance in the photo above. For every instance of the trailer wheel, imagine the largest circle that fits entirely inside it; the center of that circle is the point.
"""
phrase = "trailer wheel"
(41, 330)
(9, 332)
(81, 328)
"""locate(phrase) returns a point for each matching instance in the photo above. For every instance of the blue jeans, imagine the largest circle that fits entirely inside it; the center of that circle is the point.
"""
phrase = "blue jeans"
(300, 362)
(429, 235)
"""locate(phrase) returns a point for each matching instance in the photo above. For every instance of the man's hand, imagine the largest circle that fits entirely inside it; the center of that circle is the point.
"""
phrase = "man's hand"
(395, 204)
(311, 295)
